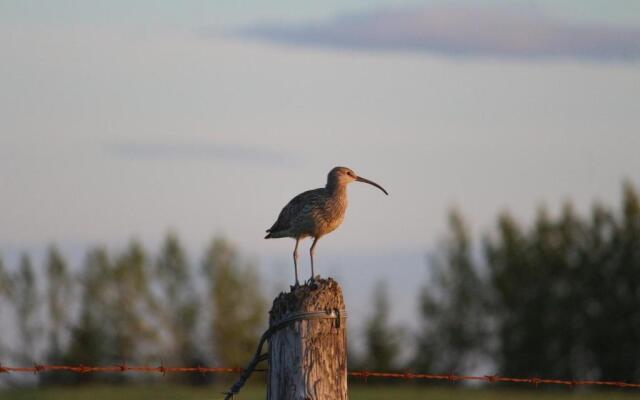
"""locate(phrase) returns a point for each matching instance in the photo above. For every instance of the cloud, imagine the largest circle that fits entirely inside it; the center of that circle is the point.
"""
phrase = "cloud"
(202, 151)
(462, 31)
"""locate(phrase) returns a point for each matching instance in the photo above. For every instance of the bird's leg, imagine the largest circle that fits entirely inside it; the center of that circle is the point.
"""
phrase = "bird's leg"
(312, 251)
(296, 257)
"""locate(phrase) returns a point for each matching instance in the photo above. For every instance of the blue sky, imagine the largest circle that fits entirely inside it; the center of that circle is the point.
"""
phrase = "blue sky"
(126, 119)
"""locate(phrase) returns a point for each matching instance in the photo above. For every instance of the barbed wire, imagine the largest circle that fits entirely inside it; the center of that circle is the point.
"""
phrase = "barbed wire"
(123, 368)
(83, 369)
(493, 379)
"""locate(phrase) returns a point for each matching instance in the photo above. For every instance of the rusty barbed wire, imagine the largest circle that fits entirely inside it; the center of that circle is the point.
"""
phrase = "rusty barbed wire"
(123, 368)
(83, 369)
(492, 379)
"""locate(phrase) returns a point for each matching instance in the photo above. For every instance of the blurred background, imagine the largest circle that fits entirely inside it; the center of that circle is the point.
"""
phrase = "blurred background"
(145, 146)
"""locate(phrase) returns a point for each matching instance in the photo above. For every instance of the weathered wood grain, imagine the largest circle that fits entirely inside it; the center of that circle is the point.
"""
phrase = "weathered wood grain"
(308, 358)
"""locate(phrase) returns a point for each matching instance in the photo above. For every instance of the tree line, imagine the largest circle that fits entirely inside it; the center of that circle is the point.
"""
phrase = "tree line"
(559, 297)
(132, 307)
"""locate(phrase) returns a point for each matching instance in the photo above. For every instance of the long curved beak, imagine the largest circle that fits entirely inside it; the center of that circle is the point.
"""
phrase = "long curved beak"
(361, 179)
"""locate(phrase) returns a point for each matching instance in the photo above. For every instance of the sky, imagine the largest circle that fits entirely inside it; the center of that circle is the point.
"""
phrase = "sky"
(126, 119)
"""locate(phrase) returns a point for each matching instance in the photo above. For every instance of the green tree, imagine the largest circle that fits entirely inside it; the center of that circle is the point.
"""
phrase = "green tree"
(93, 333)
(130, 307)
(613, 312)
(452, 327)
(525, 271)
(6, 284)
(381, 339)
(565, 293)
(26, 300)
(58, 302)
(6, 291)
(236, 303)
(178, 305)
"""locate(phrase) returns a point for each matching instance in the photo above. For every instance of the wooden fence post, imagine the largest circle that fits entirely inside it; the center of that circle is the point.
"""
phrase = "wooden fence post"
(308, 357)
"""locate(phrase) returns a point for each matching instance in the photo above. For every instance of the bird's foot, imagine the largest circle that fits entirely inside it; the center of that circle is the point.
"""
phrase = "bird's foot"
(312, 282)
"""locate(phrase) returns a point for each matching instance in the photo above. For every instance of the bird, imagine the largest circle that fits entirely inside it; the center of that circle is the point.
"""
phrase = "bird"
(316, 212)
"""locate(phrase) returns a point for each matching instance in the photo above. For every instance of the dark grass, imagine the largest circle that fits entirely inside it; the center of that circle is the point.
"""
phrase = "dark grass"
(358, 391)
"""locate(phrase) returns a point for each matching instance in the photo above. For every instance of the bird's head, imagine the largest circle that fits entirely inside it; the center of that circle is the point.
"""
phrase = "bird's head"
(340, 176)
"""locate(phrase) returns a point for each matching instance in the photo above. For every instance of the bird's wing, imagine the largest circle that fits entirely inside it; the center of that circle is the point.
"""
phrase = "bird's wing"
(301, 204)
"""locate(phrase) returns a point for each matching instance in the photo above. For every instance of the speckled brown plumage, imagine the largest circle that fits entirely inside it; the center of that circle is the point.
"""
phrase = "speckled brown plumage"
(317, 212)
(312, 213)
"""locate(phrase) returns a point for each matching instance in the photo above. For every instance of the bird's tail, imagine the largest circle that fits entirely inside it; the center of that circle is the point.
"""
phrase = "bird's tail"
(275, 234)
